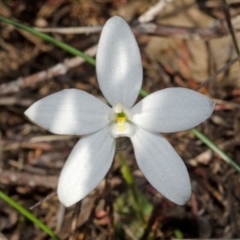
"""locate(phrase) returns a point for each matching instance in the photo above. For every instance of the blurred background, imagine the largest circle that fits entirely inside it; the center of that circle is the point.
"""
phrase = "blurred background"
(182, 43)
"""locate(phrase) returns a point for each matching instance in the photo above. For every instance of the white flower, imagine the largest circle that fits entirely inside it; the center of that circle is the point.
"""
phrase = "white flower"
(119, 74)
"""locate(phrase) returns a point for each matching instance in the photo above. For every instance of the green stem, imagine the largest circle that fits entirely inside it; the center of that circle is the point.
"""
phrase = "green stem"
(211, 145)
(28, 215)
(127, 175)
(143, 93)
(52, 40)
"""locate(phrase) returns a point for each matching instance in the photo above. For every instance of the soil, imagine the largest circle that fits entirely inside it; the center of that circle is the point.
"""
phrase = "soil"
(31, 158)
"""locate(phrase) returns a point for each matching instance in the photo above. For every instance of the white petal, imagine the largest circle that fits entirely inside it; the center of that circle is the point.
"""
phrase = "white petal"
(86, 166)
(172, 110)
(161, 165)
(70, 111)
(119, 67)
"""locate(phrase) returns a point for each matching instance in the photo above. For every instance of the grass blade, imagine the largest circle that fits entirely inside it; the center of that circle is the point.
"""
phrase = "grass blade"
(217, 150)
(28, 215)
(50, 39)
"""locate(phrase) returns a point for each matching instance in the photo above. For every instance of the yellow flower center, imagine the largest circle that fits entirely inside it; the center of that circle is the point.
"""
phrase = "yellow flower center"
(121, 119)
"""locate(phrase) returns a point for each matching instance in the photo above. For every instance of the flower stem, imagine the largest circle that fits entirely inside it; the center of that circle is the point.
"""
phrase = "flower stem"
(127, 175)
(28, 215)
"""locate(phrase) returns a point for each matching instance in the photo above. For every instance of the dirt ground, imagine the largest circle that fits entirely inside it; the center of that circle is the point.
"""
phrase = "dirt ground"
(182, 45)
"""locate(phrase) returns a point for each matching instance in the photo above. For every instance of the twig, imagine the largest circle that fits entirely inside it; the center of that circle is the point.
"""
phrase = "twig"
(72, 30)
(227, 104)
(129, 232)
(50, 138)
(9, 101)
(43, 200)
(216, 31)
(27, 179)
(14, 145)
(1, 151)
(75, 220)
(232, 209)
(21, 166)
(59, 69)
(214, 3)
(60, 217)
(226, 12)
(222, 69)
(2, 237)
(214, 192)
(150, 14)
(94, 206)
